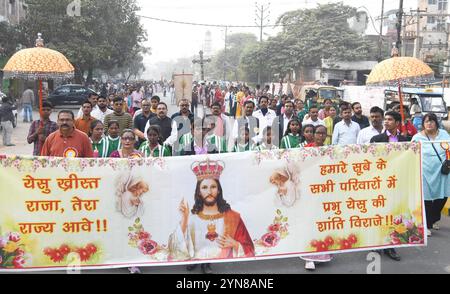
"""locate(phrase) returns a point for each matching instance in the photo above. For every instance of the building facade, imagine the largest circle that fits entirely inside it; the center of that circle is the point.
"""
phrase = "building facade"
(12, 11)
(433, 29)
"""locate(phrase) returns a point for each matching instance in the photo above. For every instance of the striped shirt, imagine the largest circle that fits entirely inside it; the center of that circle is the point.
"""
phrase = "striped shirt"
(101, 147)
(158, 151)
(49, 127)
(290, 141)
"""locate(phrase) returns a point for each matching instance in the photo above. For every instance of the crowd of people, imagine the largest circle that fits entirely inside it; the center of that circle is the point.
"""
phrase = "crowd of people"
(236, 119)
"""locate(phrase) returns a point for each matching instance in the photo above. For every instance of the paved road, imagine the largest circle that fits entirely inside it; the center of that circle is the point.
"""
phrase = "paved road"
(433, 259)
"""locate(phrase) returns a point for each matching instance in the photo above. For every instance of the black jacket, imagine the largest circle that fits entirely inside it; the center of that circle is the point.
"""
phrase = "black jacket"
(384, 138)
(6, 112)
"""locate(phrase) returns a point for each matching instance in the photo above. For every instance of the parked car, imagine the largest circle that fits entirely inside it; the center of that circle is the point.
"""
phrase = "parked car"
(69, 95)
(14, 111)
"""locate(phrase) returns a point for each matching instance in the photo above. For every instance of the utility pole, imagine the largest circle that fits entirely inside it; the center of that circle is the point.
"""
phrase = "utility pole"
(380, 45)
(225, 55)
(260, 20)
(398, 44)
(417, 40)
(202, 63)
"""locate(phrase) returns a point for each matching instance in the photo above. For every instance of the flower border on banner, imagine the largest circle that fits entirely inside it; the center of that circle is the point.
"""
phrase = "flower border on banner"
(29, 163)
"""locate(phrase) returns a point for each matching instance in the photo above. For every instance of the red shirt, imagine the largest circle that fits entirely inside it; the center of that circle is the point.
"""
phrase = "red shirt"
(311, 145)
(409, 128)
(77, 144)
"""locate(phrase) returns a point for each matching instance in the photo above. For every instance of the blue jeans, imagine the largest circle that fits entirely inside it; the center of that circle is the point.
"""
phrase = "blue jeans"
(28, 113)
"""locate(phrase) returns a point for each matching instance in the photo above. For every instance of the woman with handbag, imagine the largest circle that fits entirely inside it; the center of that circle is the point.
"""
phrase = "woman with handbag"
(436, 179)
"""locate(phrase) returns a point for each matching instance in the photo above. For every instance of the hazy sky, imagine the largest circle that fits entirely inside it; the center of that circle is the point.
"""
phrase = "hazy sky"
(171, 41)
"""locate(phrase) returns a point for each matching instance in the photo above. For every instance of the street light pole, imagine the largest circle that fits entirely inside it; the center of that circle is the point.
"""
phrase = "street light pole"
(225, 56)
(399, 26)
(260, 15)
(380, 57)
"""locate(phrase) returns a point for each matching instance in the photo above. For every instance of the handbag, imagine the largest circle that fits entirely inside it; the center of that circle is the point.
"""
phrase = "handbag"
(445, 168)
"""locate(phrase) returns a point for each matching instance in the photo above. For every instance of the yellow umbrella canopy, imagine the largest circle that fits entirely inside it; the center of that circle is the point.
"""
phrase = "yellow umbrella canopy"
(396, 69)
(38, 63)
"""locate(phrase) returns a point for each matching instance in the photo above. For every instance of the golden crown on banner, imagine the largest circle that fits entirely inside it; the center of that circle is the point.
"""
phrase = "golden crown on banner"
(208, 169)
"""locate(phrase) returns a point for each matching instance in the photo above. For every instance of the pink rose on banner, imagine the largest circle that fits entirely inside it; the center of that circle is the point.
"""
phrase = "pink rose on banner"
(20, 253)
(144, 235)
(270, 239)
(3, 242)
(398, 220)
(148, 247)
(409, 224)
(394, 239)
(141, 239)
(14, 237)
(420, 230)
(274, 228)
(415, 240)
(18, 262)
(276, 232)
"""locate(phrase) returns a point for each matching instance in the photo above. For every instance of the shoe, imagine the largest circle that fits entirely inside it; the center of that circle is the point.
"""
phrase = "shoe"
(428, 233)
(134, 270)
(206, 268)
(10, 145)
(436, 227)
(392, 254)
(309, 265)
(191, 267)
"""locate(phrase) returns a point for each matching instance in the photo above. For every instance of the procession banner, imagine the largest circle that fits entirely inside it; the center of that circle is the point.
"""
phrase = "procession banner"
(107, 213)
(183, 86)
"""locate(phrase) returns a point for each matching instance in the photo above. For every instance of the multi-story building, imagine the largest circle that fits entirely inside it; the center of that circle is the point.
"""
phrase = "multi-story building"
(433, 29)
(12, 11)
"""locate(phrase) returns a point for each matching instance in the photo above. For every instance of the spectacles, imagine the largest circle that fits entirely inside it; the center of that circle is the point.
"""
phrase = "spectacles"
(128, 138)
(145, 105)
(184, 105)
(321, 133)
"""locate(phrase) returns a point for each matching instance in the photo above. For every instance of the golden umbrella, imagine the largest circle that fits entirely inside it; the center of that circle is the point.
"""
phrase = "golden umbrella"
(398, 70)
(40, 64)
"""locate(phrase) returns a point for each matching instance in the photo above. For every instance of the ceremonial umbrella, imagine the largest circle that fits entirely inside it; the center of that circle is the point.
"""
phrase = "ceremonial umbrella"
(40, 64)
(398, 70)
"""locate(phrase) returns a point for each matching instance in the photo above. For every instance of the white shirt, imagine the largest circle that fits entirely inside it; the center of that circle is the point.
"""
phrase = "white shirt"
(345, 134)
(265, 120)
(100, 115)
(286, 122)
(366, 134)
(316, 123)
(80, 112)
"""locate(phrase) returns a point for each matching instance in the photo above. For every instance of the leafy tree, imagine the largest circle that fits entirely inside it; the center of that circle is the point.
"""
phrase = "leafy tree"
(310, 35)
(108, 33)
(237, 45)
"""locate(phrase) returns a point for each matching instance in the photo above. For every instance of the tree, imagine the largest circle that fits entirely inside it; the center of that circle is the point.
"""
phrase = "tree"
(108, 33)
(10, 39)
(230, 61)
(310, 35)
